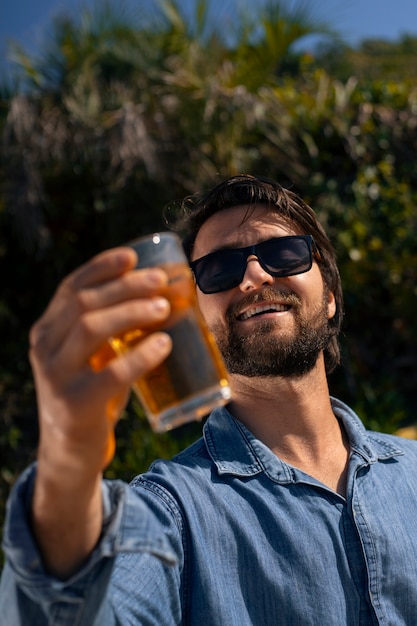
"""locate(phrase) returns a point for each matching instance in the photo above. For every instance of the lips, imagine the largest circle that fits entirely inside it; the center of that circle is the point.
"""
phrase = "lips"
(269, 307)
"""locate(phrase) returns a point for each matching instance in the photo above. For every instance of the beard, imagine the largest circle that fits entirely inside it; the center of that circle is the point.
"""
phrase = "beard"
(263, 351)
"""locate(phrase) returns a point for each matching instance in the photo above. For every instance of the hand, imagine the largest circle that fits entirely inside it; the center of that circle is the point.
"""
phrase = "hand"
(78, 405)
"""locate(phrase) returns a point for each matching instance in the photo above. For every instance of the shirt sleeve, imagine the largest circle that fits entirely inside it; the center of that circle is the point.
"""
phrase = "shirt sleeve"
(135, 569)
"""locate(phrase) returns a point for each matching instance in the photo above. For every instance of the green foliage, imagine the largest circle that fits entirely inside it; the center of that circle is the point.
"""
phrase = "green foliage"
(371, 60)
(353, 150)
(124, 113)
(138, 446)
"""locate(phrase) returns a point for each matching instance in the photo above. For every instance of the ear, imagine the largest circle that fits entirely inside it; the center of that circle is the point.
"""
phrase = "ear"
(331, 305)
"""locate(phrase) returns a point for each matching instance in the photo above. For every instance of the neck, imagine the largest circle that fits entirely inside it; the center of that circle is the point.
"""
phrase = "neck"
(295, 419)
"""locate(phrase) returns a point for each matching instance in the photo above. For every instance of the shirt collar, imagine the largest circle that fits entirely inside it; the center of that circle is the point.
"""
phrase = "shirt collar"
(370, 445)
(234, 450)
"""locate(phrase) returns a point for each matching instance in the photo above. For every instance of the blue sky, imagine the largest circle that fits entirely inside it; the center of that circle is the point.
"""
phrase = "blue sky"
(27, 21)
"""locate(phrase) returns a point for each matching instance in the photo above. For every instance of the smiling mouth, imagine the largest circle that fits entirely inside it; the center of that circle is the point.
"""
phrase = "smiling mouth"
(261, 309)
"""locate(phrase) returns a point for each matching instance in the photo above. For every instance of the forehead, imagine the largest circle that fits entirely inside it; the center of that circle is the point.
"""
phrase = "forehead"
(239, 227)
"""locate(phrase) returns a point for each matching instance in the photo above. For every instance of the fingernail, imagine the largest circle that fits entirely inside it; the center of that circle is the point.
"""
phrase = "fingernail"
(154, 278)
(160, 304)
(162, 340)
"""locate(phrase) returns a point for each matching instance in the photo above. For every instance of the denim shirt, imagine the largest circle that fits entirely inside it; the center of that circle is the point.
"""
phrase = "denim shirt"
(227, 534)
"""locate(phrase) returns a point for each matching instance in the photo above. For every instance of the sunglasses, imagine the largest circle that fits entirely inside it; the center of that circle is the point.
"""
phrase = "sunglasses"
(280, 256)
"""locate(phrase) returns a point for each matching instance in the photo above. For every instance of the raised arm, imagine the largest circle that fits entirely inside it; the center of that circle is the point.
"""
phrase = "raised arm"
(79, 404)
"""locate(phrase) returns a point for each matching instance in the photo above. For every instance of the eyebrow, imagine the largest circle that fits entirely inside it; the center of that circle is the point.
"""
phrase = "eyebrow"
(238, 246)
(221, 248)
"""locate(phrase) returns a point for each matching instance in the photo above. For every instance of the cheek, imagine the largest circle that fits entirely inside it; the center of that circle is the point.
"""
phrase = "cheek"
(311, 289)
(210, 306)
(203, 304)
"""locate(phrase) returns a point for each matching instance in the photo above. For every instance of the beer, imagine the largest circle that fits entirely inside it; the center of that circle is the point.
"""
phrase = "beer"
(193, 379)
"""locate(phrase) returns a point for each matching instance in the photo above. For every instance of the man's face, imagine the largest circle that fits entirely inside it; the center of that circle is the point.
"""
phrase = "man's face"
(265, 326)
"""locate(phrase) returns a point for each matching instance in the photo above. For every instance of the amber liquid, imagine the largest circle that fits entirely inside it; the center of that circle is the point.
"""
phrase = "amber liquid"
(193, 379)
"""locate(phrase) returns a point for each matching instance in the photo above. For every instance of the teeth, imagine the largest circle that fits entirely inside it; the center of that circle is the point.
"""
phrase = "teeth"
(261, 309)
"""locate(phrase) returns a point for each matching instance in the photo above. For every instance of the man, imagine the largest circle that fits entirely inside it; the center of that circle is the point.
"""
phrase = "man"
(286, 512)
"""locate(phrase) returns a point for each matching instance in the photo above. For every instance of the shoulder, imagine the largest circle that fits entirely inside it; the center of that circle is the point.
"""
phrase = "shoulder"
(395, 451)
(179, 478)
(195, 458)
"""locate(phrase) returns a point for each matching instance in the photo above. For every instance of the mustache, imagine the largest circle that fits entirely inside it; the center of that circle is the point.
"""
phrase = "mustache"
(267, 294)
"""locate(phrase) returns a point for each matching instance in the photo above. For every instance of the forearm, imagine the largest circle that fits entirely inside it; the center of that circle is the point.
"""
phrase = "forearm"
(31, 595)
(66, 519)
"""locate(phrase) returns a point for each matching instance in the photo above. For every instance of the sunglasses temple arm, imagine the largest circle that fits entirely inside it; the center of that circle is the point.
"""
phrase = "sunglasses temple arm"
(316, 251)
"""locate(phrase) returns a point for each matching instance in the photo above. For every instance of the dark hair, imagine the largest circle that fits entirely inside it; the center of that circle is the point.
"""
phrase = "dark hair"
(252, 191)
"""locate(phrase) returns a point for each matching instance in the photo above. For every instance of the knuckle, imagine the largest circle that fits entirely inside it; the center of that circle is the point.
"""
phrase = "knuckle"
(149, 353)
(86, 327)
(82, 301)
(67, 287)
(37, 334)
(34, 333)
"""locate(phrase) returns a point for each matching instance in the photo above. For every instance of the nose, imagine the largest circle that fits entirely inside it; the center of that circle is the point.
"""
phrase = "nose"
(255, 276)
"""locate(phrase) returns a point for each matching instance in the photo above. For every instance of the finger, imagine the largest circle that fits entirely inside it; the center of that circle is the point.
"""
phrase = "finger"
(112, 263)
(107, 266)
(76, 405)
(135, 364)
(104, 266)
(93, 329)
(69, 303)
(132, 284)
(125, 369)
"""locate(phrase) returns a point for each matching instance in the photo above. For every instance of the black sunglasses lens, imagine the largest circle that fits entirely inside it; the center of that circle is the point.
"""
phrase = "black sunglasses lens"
(220, 271)
(286, 256)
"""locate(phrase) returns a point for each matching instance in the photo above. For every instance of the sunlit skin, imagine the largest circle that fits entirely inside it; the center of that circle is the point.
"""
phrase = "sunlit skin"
(292, 416)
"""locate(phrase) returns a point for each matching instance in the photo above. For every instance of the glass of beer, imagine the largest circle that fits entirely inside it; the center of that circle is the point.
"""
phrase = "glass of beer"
(193, 379)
